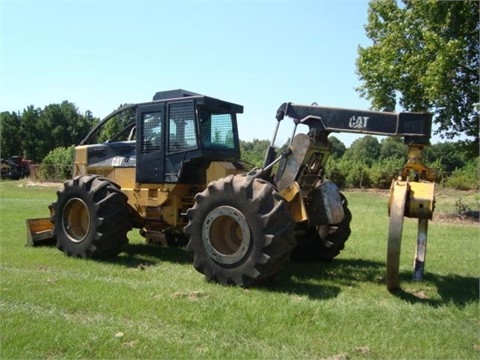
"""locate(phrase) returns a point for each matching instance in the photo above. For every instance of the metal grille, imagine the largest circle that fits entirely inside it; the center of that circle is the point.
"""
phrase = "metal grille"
(218, 132)
(151, 132)
(182, 127)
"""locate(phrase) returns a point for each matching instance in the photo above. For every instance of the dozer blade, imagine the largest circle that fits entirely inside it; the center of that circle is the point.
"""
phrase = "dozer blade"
(40, 232)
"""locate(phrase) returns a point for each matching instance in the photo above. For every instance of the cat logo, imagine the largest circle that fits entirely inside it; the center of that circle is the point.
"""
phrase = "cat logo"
(358, 122)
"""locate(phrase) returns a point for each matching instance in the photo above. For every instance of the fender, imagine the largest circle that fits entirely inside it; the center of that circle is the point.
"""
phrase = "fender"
(323, 206)
(326, 205)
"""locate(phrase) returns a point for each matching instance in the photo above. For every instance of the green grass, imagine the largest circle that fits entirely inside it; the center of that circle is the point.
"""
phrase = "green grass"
(150, 303)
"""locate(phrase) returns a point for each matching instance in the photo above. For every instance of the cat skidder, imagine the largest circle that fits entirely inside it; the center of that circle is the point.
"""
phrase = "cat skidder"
(173, 170)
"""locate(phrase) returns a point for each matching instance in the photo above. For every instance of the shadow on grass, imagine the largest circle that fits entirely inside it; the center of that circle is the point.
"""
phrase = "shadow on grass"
(299, 279)
(452, 289)
(136, 255)
(314, 279)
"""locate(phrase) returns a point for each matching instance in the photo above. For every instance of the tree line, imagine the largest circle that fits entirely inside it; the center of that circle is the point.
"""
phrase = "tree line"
(48, 135)
(371, 163)
(34, 132)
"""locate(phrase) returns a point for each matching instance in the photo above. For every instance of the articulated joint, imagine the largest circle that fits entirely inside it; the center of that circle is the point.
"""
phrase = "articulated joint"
(415, 169)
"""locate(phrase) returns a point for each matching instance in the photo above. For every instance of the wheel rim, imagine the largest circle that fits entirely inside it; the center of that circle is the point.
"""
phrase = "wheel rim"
(226, 235)
(76, 220)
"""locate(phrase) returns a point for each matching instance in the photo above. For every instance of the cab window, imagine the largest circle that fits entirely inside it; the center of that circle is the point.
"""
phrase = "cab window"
(151, 132)
(182, 134)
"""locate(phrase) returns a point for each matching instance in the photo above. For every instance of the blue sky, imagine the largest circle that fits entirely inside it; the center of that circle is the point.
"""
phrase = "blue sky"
(100, 54)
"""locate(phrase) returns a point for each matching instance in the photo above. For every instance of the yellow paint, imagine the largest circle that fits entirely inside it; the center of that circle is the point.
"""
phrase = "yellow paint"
(220, 169)
(420, 202)
(80, 166)
(293, 195)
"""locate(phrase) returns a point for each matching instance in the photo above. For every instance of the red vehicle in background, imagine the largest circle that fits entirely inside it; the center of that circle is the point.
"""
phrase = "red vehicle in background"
(15, 168)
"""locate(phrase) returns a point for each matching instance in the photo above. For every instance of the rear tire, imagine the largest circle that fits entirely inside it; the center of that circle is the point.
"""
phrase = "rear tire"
(312, 248)
(91, 218)
(240, 231)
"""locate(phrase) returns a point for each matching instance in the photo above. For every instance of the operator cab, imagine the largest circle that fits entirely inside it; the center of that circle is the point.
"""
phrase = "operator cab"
(172, 139)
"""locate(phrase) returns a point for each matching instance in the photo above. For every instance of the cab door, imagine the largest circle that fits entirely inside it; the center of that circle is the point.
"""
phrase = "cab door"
(150, 166)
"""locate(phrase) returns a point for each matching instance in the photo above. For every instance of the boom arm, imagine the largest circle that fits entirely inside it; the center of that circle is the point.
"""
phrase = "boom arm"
(412, 194)
(414, 127)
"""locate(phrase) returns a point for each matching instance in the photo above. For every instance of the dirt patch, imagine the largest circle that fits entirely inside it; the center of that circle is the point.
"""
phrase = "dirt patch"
(30, 183)
(463, 219)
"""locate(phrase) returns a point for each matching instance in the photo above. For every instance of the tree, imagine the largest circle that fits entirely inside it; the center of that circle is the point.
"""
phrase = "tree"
(229, 139)
(116, 124)
(426, 53)
(57, 125)
(31, 139)
(51, 129)
(364, 150)
(447, 155)
(10, 134)
(40, 131)
(393, 148)
(338, 147)
(78, 125)
(253, 152)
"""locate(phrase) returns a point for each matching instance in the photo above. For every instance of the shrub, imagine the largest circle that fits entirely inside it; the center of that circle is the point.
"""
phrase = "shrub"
(466, 178)
(58, 164)
(382, 172)
(354, 173)
(334, 173)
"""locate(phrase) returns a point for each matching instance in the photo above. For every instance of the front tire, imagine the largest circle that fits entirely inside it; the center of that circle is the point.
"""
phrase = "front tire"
(240, 231)
(91, 218)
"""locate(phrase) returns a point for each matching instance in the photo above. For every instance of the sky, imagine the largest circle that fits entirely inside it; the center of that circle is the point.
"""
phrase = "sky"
(257, 53)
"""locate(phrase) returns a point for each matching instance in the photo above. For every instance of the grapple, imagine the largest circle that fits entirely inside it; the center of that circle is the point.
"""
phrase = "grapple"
(413, 196)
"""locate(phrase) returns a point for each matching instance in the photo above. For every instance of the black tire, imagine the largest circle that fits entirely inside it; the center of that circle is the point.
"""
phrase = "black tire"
(312, 248)
(91, 218)
(240, 231)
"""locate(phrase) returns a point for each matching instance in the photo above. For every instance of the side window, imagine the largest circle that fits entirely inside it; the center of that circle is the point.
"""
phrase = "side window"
(182, 134)
(151, 132)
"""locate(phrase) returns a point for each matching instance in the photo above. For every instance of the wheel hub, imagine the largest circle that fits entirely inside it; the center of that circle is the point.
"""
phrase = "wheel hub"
(226, 235)
(76, 220)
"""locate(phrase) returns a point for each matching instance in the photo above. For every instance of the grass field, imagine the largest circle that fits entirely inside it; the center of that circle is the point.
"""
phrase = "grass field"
(149, 303)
